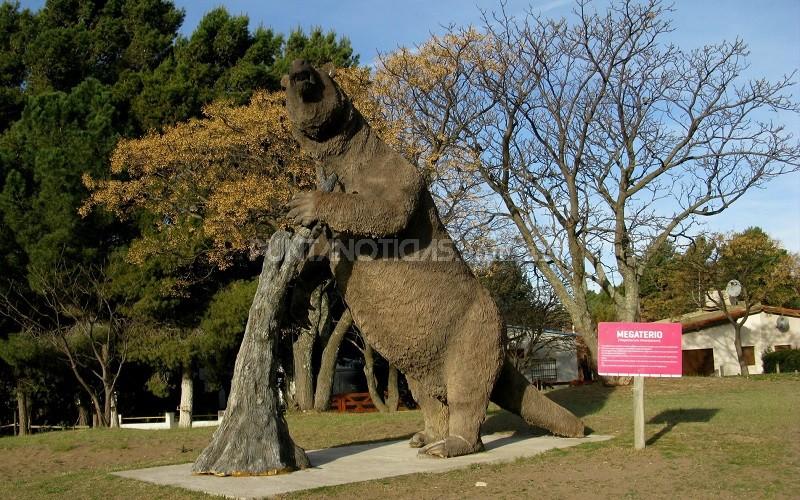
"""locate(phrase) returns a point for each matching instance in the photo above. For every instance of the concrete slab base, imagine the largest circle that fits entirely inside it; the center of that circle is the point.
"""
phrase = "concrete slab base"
(350, 464)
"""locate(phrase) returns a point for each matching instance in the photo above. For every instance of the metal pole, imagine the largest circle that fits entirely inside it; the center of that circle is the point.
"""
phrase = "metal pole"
(638, 412)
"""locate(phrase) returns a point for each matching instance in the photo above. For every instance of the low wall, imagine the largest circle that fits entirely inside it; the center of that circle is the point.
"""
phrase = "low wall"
(167, 422)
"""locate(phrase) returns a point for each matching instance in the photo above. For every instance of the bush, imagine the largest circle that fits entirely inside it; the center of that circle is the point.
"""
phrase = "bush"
(789, 361)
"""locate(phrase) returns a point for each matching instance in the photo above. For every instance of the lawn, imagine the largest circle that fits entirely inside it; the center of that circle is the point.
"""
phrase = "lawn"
(707, 437)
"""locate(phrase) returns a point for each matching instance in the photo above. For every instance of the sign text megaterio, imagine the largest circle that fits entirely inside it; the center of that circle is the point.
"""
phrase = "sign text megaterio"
(646, 349)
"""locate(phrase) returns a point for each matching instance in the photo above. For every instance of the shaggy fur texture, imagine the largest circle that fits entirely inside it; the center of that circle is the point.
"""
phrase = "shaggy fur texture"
(409, 291)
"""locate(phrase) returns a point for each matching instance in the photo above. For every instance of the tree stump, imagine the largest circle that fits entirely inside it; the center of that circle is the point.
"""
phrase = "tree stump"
(253, 438)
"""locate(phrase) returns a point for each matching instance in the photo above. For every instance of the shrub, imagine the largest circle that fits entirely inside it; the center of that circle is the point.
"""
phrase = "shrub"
(789, 360)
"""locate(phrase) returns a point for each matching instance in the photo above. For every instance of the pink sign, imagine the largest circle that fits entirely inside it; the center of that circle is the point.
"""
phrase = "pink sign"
(647, 349)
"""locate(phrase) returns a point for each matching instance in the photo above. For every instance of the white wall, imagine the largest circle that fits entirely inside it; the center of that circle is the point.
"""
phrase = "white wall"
(168, 422)
(567, 363)
(760, 331)
(566, 357)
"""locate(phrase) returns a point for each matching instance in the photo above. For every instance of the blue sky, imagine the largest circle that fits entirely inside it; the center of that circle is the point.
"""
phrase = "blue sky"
(770, 27)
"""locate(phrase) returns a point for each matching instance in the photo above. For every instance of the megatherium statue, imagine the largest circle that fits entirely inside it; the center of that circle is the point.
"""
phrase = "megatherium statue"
(408, 289)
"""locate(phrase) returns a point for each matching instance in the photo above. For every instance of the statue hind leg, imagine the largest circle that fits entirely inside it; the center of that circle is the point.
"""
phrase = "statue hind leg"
(472, 368)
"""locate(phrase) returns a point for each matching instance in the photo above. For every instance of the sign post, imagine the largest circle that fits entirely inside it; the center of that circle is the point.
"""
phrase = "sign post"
(639, 350)
(638, 412)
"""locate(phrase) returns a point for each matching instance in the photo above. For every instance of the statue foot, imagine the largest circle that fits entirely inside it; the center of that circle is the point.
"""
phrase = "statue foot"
(418, 440)
(452, 446)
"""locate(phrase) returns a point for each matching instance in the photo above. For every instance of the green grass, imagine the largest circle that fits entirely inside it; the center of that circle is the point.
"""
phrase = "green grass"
(708, 437)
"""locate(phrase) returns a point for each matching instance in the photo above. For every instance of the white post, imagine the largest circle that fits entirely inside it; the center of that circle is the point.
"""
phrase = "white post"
(169, 418)
(638, 412)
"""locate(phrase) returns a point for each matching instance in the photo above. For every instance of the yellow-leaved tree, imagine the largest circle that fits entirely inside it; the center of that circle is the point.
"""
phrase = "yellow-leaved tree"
(214, 189)
(224, 178)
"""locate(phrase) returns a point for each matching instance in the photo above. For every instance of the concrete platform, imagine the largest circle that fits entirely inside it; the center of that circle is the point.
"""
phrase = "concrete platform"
(350, 464)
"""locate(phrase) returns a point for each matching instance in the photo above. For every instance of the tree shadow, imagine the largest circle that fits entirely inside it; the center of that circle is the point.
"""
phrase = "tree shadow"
(581, 400)
(671, 418)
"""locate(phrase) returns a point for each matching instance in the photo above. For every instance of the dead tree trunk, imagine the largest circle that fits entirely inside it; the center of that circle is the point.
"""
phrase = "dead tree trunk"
(253, 439)
(327, 368)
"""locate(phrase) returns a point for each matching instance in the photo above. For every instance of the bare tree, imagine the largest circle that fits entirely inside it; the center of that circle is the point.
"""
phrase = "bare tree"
(75, 311)
(529, 307)
(313, 327)
(392, 400)
(542, 333)
(327, 368)
(594, 142)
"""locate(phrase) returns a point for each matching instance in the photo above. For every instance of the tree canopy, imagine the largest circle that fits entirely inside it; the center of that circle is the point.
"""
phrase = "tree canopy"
(82, 79)
(588, 143)
(694, 278)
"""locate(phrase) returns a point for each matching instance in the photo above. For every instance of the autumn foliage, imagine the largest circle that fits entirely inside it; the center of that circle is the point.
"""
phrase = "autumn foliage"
(225, 177)
(219, 183)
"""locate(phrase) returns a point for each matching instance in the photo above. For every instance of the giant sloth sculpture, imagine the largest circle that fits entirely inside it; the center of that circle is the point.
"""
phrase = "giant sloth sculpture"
(409, 291)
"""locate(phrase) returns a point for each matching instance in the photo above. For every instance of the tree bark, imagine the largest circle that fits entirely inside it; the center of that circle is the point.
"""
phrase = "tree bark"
(737, 342)
(393, 390)
(302, 352)
(107, 407)
(372, 382)
(23, 410)
(327, 369)
(83, 414)
(113, 420)
(99, 417)
(187, 398)
(303, 348)
(253, 438)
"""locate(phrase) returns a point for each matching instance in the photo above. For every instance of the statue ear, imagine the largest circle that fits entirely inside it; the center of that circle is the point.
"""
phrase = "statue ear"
(329, 68)
(285, 82)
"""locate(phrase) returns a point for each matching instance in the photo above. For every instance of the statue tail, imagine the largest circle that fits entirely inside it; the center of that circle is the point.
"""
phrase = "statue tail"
(514, 393)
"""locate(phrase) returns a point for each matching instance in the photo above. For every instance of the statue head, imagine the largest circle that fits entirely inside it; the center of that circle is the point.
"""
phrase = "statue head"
(316, 106)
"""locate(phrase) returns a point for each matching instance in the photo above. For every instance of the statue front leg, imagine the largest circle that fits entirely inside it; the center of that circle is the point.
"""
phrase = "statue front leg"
(435, 413)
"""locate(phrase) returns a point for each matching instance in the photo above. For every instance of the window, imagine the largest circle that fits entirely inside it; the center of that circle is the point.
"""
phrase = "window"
(749, 354)
(784, 347)
(543, 369)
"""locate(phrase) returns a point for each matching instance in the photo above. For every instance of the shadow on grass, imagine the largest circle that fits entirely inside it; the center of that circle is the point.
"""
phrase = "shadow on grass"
(581, 400)
(674, 417)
